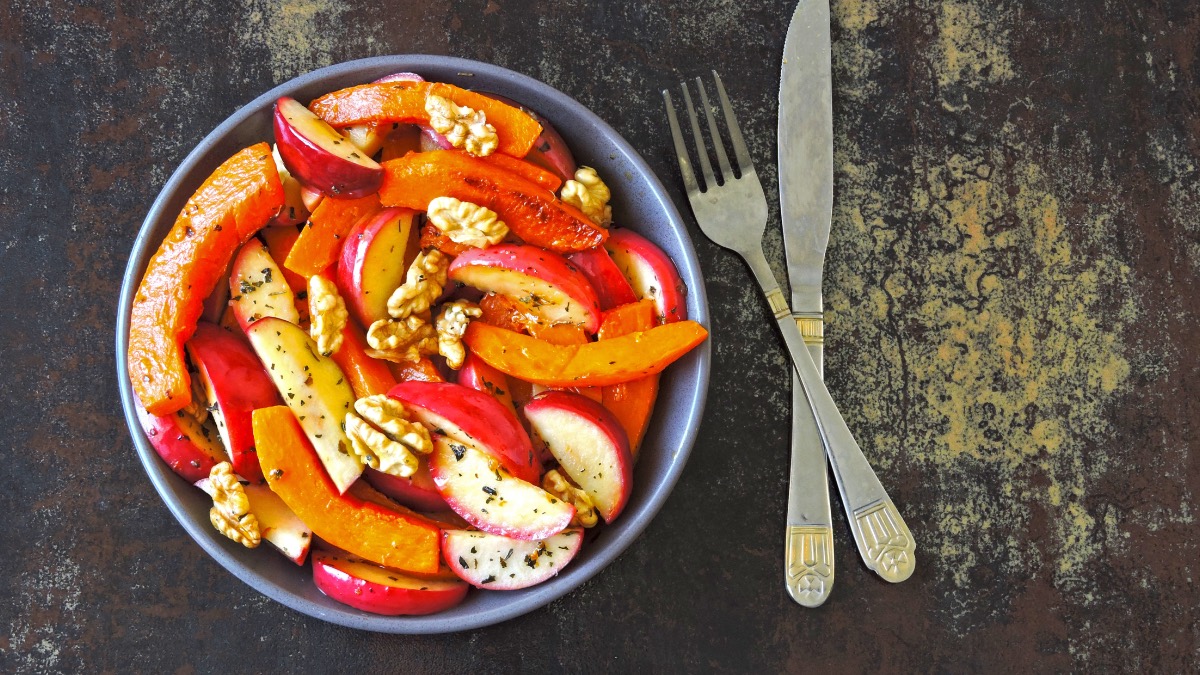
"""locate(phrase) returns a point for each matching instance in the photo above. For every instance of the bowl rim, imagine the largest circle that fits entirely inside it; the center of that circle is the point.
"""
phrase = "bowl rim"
(161, 476)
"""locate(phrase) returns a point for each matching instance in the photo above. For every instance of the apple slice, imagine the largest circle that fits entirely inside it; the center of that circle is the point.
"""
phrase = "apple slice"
(471, 416)
(650, 272)
(190, 448)
(236, 381)
(259, 288)
(545, 283)
(310, 197)
(379, 590)
(294, 211)
(589, 444)
(549, 151)
(478, 375)
(315, 390)
(417, 492)
(321, 157)
(503, 564)
(612, 288)
(276, 522)
(490, 498)
(372, 262)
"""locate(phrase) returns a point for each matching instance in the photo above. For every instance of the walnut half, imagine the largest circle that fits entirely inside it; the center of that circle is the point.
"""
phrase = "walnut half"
(230, 512)
(589, 194)
(462, 126)
(560, 486)
(452, 324)
(329, 315)
(388, 442)
(466, 223)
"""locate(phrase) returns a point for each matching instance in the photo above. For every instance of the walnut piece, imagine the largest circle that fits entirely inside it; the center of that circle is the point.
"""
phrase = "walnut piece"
(198, 407)
(406, 340)
(466, 223)
(230, 513)
(423, 283)
(589, 194)
(378, 451)
(451, 324)
(328, 314)
(558, 485)
(462, 126)
(392, 418)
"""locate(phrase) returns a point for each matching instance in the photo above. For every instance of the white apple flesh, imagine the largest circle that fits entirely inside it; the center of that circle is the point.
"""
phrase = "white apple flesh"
(278, 525)
(650, 272)
(590, 445)
(545, 283)
(314, 388)
(490, 498)
(319, 156)
(294, 211)
(380, 590)
(258, 288)
(504, 564)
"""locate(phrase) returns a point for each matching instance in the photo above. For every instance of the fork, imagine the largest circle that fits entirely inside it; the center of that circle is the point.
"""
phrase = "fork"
(732, 213)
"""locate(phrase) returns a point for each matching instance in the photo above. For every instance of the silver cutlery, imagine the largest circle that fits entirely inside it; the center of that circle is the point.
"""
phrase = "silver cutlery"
(733, 214)
(806, 207)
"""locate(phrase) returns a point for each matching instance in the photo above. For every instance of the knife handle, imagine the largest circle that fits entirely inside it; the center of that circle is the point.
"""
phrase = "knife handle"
(883, 539)
(808, 548)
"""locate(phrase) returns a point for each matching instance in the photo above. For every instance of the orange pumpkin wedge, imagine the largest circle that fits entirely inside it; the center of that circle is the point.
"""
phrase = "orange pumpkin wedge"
(367, 376)
(294, 472)
(630, 402)
(405, 102)
(319, 243)
(530, 172)
(532, 212)
(229, 207)
(422, 371)
(594, 364)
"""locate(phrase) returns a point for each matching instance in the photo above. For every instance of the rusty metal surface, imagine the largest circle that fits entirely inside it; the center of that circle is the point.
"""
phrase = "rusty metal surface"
(1011, 333)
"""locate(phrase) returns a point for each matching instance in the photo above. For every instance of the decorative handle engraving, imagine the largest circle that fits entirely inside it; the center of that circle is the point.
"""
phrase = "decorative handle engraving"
(778, 303)
(812, 329)
(885, 542)
(809, 564)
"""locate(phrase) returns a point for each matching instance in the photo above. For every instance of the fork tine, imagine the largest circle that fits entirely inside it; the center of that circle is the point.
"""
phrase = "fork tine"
(710, 181)
(722, 158)
(681, 153)
(739, 144)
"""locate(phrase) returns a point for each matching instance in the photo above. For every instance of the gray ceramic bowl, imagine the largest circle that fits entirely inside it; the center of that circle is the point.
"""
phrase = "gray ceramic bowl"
(639, 201)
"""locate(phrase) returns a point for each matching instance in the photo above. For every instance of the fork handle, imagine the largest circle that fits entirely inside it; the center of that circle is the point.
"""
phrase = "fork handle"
(883, 539)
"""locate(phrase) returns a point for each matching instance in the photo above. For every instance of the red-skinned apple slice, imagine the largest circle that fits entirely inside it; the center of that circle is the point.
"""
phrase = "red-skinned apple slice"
(372, 262)
(190, 448)
(612, 288)
(549, 151)
(293, 212)
(278, 525)
(544, 282)
(380, 590)
(650, 272)
(503, 564)
(235, 378)
(480, 490)
(480, 376)
(417, 491)
(471, 416)
(589, 444)
(315, 390)
(259, 288)
(321, 157)
(310, 198)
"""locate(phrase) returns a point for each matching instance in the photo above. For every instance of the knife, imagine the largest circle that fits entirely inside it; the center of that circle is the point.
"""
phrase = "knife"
(806, 207)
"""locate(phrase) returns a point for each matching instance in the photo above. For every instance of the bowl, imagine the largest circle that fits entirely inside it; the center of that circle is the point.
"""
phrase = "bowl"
(639, 201)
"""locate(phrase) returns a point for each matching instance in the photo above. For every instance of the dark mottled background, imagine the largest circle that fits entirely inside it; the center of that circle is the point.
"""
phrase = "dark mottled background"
(1011, 334)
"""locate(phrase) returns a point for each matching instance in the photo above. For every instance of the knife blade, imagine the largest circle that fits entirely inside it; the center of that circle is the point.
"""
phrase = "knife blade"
(806, 205)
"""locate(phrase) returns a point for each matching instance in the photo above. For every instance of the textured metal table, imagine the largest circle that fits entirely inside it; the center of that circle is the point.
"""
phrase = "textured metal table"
(1011, 333)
